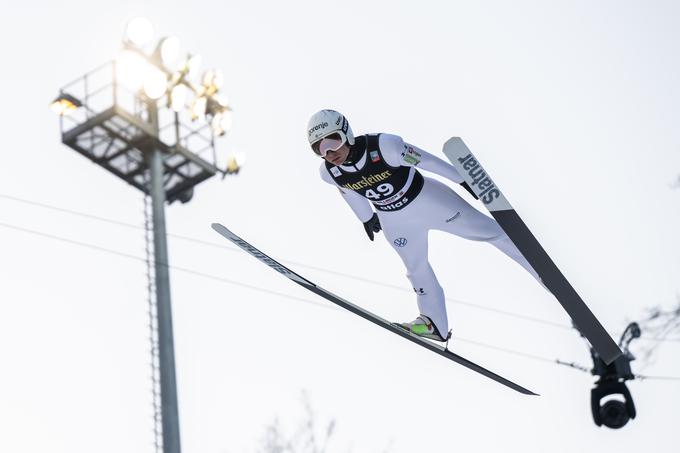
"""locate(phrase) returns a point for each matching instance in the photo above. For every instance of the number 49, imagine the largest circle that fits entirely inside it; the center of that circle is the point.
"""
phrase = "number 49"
(384, 190)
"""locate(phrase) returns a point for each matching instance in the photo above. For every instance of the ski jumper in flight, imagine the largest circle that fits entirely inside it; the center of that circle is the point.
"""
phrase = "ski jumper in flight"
(380, 171)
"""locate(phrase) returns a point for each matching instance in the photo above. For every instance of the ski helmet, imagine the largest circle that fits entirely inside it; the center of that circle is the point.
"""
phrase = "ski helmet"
(325, 123)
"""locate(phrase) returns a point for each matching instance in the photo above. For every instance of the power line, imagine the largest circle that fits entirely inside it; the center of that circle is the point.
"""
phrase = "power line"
(556, 361)
(641, 377)
(69, 211)
(143, 260)
(321, 269)
(660, 378)
(506, 350)
(288, 296)
(295, 263)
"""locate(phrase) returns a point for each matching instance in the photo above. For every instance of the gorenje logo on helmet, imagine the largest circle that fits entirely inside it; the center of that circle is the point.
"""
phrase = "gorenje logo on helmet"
(317, 127)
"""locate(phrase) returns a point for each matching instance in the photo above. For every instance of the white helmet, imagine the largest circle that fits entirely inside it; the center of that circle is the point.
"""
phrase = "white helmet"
(326, 122)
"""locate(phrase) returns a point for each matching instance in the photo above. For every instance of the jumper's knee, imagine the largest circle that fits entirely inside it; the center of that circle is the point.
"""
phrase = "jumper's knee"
(418, 269)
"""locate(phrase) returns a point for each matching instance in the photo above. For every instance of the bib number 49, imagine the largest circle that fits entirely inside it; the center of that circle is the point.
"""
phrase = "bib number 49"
(383, 190)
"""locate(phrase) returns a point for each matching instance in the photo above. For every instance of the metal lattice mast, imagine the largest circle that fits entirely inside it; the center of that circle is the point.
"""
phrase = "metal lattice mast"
(156, 134)
(166, 346)
(153, 328)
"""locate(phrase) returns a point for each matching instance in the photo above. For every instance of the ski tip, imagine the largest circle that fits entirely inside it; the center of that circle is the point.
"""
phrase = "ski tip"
(221, 229)
(452, 140)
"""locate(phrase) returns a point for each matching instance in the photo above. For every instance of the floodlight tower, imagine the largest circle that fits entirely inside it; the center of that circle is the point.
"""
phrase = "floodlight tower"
(147, 119)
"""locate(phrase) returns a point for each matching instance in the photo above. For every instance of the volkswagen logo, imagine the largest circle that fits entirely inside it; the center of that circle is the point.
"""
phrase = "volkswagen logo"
(400, 242)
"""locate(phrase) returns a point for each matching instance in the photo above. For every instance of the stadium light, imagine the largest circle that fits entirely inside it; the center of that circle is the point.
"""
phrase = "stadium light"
(235, 162)
(178, 97)
(198, 108)
(221, 122)
(139, 32)
(212, 81)
(169, 50)
(193, 65)
(155, 83)
(65, 104)
(131, 69)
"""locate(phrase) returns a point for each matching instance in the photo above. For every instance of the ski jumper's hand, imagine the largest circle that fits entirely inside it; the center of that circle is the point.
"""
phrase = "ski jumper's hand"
(372, 226)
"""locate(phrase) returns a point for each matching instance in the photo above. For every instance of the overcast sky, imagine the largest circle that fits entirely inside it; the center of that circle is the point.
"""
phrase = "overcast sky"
(571, 106)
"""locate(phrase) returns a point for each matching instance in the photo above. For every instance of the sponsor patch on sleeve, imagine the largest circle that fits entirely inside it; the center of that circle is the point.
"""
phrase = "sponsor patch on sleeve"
(410, 155)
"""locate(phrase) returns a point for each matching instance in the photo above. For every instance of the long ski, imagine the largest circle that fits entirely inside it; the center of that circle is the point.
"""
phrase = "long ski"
(506, 216)
(365, 313)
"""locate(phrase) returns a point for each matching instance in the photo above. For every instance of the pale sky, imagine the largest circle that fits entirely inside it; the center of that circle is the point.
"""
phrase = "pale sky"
(571, 107)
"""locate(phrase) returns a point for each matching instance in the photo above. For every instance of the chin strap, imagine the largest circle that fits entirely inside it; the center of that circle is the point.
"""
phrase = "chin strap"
(355, 152)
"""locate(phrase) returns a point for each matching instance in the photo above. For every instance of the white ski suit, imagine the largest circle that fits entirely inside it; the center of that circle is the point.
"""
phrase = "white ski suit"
(409, 205)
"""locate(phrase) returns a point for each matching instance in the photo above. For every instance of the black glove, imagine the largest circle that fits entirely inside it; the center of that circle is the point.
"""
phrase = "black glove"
(372, 226)
(467, 187)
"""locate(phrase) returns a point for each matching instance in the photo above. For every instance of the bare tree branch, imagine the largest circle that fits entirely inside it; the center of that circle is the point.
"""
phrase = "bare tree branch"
(659, 324)
(305, 439)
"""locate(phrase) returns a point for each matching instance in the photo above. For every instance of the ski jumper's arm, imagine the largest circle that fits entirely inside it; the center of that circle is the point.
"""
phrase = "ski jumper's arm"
(399, 153)
(360, 205)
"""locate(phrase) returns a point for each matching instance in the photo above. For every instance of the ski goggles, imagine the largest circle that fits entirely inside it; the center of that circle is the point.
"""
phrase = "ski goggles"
(331, 142)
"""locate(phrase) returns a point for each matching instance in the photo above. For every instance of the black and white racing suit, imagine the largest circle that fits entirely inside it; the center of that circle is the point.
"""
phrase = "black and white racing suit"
(409, 205)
